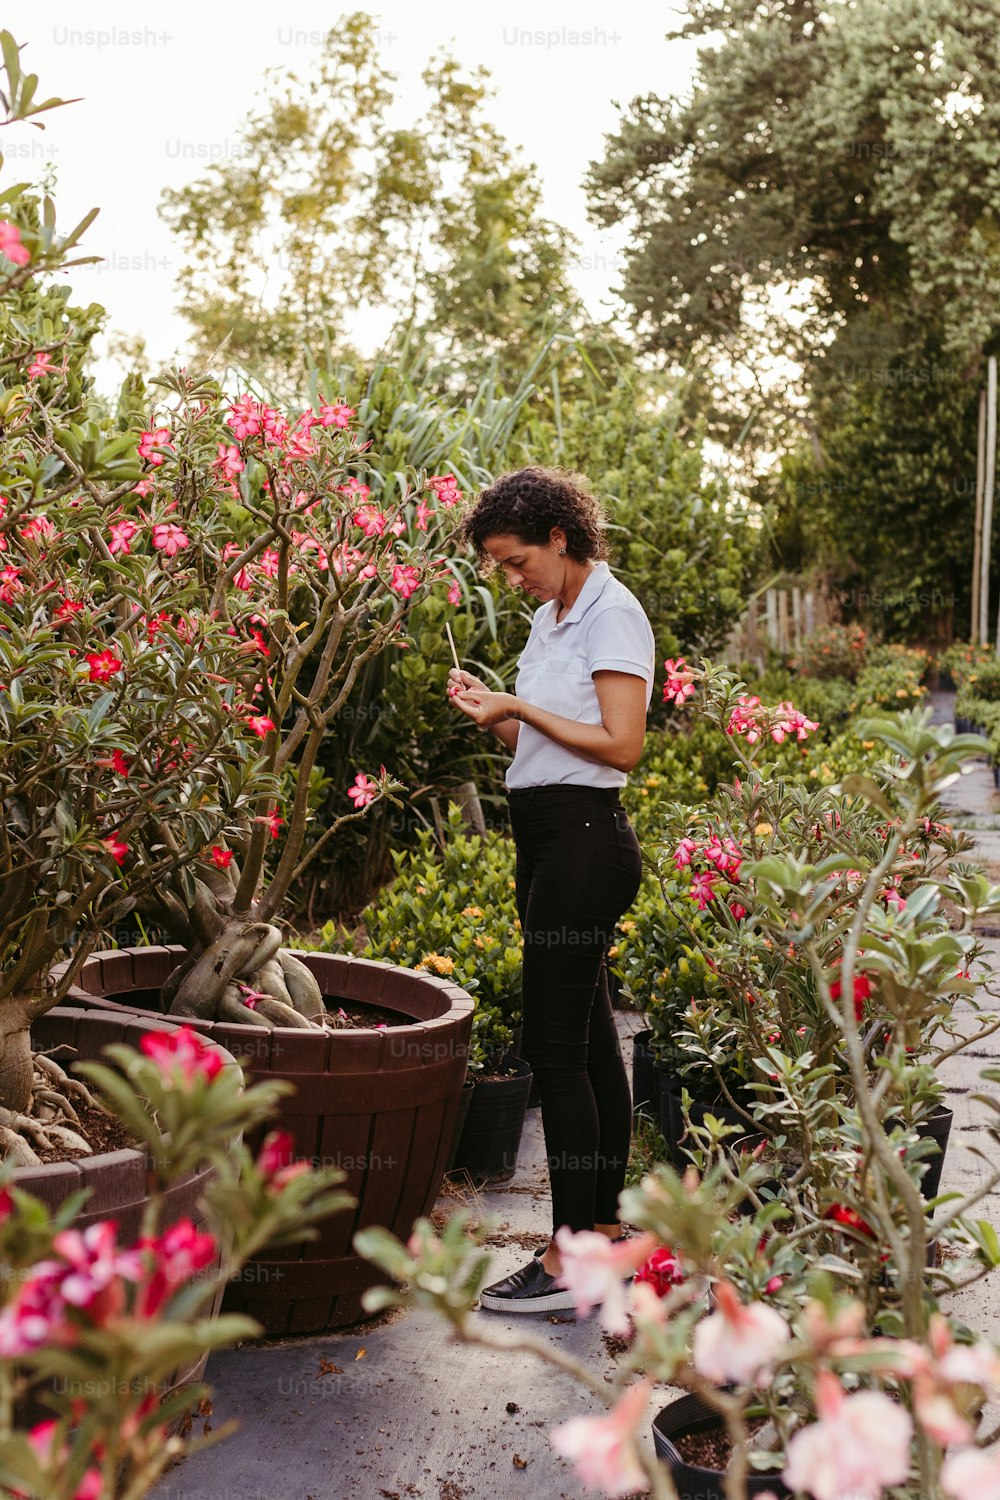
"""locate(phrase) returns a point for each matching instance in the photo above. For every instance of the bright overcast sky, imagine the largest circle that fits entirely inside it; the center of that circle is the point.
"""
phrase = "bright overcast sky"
(161, 98)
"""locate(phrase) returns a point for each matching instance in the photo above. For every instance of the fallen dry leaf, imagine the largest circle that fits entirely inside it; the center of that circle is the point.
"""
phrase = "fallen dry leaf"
(361, 1354)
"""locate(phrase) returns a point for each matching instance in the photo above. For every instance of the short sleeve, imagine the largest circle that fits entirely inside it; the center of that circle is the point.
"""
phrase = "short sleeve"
(621, 640)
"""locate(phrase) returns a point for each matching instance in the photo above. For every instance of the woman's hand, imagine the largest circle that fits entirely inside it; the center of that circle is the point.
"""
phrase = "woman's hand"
(459, 682)
(478, 702)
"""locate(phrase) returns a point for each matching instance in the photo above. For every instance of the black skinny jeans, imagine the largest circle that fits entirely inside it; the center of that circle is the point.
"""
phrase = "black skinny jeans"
(578, 869)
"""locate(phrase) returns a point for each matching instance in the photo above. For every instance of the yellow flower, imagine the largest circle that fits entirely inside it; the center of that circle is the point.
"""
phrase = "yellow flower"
(868, 744)
(613, 950)
(438, 963)
(762, 830)
(902, 692)
(472, 911)
(643, 791)
(627, 926)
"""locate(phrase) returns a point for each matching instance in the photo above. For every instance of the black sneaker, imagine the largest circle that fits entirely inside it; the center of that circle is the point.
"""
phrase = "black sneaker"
(529, 1290)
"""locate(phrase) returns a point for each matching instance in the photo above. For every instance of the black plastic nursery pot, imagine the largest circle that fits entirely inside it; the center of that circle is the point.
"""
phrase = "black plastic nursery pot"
(689, 1414)
(673, 1126)
(491, 1136)
(936, 1128)
(645, 1077)
(465, 1100)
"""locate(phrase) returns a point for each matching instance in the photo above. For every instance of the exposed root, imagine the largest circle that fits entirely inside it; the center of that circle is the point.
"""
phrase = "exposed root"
(279, 1014)
(49, 1137)
(56, 1103)
(65, 1087)
(305, 993)
(15, 1149)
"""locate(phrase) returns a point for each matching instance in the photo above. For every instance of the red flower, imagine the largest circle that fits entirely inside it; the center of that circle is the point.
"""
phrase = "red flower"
(103, 665)
(662, 1271)
(116, 848)
(841, 1213)
(119, 763)
(862, 992)
(182, 1051)
(223, 858)
(274, 821)
(260, 724)
(66, 610)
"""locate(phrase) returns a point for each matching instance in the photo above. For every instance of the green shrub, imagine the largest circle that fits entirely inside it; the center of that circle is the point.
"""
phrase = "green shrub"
(832, 651)
(453, 913)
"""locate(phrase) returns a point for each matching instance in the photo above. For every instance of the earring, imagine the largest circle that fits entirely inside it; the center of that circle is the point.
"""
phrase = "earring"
(562, 551)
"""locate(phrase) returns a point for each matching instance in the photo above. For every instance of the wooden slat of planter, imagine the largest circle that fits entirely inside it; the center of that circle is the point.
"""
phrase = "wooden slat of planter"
(299, 1051)
(420, 1188)
(150, 966)
(113, 1179)
(364, 982)
(116, 970)
(391, 1149)
(54, 1186)
(308, 1313)
(103, 1028)
(302, 1278)
(250, 1045)
(327, 969)
(345, 1143)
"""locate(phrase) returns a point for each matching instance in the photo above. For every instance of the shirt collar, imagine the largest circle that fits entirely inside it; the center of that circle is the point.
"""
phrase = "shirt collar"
(593, 586)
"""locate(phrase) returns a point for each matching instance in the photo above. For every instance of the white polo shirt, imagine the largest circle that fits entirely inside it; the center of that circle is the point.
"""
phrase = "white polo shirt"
(606, 630)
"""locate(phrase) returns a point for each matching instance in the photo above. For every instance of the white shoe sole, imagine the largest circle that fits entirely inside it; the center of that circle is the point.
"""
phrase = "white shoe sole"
(552, 1302)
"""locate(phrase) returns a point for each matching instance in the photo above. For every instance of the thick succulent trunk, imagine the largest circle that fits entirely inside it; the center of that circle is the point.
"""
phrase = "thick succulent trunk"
(15, 1053)
(244, 975)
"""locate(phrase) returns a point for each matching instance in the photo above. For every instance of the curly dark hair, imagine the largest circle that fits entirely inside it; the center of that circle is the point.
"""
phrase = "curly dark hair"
(528, 503)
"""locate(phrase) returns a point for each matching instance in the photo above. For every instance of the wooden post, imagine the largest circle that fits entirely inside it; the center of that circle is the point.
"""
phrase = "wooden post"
(796, 616)
(977, 545)
(809, 608)
(782, 619)
(771, 606)
(989, 473)
(467, 797)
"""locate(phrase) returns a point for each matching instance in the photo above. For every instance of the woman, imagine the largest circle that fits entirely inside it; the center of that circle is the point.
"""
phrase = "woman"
(576, 724)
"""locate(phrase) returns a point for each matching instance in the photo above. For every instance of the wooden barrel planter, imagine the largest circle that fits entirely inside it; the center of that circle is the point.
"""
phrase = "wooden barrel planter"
(380, 1105)
(115, 1180)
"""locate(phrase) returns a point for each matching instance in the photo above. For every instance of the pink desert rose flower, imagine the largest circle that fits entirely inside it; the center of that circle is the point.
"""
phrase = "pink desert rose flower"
(371, 520)
(169, 538)
(273, 820)
(702, 889)
(363, 791)
(221, 858)
(680, 681)
(738, 1343)
(122, 533)
(972, 1472)
(593, 1269)
(455, 593)
(10, 243)
(43, 1440)
(40, 365)
(858, 1447)
(336, 414)
(445, 487)
(181, 1053)
(103, 665)
(684, 852)
(93, 1264)
(151, 438)
(405, 579)
(260, 724)
(229, 461)
(603, 1448)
